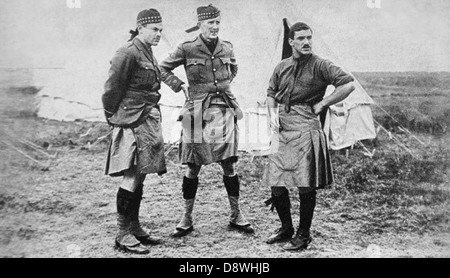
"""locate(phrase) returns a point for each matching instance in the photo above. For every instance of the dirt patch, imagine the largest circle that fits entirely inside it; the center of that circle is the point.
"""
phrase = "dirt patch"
(67, 209)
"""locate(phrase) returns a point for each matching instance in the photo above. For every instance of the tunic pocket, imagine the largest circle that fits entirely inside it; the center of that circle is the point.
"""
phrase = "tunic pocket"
(226, 62)
(145, 73)
(128, 115)
(194, 69)
(131, 113)
(312, 87)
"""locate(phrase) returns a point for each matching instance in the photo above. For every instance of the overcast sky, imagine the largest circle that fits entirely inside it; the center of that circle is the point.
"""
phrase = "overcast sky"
(401, 35)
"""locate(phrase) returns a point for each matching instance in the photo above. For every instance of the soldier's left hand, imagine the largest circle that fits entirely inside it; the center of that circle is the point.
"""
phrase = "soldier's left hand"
(318, 108)
(185, 89)
(238, 113)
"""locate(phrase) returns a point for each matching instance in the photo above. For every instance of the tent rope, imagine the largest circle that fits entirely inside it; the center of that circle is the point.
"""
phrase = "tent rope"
(171, 106)
(99, 139)
(395, 138)
(403, 128)
(368, 152)
(36, 148)
(23, 153)
(171, 147)
(29, 144)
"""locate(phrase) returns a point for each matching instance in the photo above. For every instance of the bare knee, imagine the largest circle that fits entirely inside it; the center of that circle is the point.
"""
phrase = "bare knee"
(132, 180)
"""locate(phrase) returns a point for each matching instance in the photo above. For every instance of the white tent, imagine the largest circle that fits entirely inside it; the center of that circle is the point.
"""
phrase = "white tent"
(89, 36)
(350, 120)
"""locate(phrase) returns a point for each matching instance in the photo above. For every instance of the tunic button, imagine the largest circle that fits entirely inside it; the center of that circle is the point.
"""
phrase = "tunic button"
(214, 69)
(215, 81)
(212, 57)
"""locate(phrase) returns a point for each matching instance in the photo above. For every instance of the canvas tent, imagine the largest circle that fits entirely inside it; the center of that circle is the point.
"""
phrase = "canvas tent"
(72, 89)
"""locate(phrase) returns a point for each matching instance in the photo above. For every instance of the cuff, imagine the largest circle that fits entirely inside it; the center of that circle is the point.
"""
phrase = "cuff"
(108, 114)
(174, 83)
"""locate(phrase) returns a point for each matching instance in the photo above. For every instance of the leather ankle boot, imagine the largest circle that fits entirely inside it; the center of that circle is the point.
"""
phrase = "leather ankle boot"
(299, 242)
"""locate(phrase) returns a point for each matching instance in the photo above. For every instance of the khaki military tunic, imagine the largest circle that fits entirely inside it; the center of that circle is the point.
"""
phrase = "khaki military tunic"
(209, 129)
(130, 102)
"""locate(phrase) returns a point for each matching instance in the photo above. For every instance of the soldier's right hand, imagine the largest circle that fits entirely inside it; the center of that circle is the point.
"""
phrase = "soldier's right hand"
(185, 89)
(274, 121)
(108, 115)
(111, 126)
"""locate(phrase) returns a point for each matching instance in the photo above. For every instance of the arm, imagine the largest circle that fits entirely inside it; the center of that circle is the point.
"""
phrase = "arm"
(234, 70)
(272, 105)
(116, 85)
(272, 108)
(233, 66)
(339, 94)
(341, 80)
(176, 59)
(274, 124)
(274, 83)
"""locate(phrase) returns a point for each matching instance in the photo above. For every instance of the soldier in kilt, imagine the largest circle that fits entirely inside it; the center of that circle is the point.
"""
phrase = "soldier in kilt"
(130, 102)
(300, 160)
(209, 116)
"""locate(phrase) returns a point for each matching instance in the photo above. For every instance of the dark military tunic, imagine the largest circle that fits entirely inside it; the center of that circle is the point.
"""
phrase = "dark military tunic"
(300, 154)
(130, 102)
(210, 132)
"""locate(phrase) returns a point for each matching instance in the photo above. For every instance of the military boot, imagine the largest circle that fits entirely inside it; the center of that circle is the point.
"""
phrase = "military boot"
(185, 226)
(302, 237)
(125, 240)
(135, 224)
(283, 206)
(237, 220)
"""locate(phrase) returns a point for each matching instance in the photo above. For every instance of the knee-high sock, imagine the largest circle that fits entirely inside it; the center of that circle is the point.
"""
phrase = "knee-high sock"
(307, 206)
(281, 202)
(189, 192)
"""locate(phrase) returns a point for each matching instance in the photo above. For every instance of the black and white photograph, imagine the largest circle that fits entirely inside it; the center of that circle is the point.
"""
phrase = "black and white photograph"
(225, 129)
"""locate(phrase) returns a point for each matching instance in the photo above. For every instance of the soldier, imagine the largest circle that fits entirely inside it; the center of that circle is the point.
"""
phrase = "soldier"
(301, 159)
(209, 115)
(130, 103)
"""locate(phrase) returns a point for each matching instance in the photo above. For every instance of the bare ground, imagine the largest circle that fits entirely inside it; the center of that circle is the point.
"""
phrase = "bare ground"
(67, 208)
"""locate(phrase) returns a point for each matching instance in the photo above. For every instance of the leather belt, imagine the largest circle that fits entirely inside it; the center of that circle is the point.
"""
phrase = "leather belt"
(147, 97)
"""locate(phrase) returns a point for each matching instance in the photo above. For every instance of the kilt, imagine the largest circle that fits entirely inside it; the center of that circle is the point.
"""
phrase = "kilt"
(300, 157)
(141, 147)
(214, 139)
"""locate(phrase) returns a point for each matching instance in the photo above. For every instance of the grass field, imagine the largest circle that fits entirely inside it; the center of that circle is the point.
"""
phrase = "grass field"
(397, 200)
(419, 101)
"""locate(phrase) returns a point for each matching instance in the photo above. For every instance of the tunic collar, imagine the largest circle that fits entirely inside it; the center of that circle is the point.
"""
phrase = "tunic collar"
(211, 45)
(141, 46)
(301, 59)
(202, 46)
